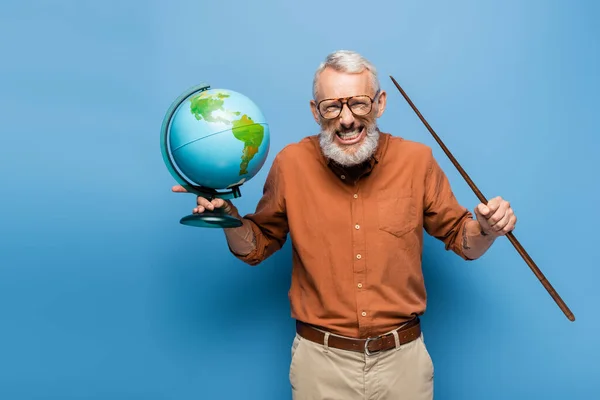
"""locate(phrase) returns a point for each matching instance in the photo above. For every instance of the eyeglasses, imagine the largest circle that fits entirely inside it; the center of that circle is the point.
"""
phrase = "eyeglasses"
(358, 105)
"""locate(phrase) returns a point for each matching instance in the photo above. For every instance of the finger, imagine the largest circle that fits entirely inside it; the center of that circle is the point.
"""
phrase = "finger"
(218, 203)
(494, 204)
(504, 220)
(500, 215)
(224, 204)
(179, 189)
(510, 226)
(198, 210)
(201, 201)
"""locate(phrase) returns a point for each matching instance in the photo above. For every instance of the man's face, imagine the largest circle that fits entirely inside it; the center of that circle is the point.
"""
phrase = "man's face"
(348, 139)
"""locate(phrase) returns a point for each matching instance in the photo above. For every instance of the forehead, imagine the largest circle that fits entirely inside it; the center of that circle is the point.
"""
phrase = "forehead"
(333, 83)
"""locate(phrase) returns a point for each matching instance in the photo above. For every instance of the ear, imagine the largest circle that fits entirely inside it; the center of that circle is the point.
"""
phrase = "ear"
(381, 103)
(313, 109)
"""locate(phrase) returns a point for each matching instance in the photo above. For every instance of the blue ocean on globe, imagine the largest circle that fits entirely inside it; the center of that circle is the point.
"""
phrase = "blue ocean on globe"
(218, 138)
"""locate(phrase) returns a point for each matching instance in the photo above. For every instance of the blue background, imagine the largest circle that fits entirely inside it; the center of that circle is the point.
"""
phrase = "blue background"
(103, 295)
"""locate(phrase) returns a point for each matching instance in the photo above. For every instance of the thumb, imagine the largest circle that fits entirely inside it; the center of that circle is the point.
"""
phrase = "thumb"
(483, 210)
(178, 189)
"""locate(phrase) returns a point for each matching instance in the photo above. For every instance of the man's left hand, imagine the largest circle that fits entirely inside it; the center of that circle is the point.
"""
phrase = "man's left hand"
(496, 218)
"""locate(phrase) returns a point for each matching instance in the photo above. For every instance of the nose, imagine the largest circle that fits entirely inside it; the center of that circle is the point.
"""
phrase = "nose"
(346, 117)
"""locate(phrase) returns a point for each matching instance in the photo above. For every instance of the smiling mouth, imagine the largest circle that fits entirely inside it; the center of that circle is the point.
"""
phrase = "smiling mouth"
(350, 137)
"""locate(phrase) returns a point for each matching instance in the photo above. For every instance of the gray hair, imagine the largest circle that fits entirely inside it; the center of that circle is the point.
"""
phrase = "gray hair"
(346, 61)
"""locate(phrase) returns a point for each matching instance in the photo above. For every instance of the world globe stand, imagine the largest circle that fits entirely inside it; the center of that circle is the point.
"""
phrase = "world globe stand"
(216, 218)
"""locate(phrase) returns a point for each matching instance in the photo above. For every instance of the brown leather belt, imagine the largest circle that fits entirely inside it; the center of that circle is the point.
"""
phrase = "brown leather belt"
(406, 333)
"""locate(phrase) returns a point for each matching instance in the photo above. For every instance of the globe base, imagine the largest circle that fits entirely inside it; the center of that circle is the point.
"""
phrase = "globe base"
(211, 219)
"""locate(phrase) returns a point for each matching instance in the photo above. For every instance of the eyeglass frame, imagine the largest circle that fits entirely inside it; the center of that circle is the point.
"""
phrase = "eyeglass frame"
(344, 101)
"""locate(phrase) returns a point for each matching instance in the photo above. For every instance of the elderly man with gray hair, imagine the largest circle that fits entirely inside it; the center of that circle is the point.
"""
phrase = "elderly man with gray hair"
(355, 202)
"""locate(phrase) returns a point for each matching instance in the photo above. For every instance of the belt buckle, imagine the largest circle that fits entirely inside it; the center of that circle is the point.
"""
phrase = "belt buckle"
(370, 339)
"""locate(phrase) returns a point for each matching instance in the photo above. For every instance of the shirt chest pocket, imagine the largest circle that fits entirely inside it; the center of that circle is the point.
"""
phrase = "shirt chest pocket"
(396, 212)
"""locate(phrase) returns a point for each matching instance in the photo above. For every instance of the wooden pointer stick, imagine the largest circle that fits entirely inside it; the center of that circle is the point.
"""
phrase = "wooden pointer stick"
(482, 199)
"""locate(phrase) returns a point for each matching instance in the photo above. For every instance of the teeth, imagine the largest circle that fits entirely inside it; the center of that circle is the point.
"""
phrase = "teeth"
(349, 135)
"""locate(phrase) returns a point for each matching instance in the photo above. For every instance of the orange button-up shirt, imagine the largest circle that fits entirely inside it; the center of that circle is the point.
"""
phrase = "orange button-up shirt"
(357, 236)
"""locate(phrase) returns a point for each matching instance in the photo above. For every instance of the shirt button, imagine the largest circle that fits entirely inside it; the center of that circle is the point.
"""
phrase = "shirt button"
(343, 176)
(358, 256)
(355, 196)
(359, 285)
(364, 314)
(357, 226)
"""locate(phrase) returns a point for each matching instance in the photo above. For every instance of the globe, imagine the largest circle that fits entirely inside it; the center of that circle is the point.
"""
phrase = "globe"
(213, 141)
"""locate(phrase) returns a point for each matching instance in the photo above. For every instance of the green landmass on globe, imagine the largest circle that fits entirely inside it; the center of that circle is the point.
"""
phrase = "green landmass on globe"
(210, 107)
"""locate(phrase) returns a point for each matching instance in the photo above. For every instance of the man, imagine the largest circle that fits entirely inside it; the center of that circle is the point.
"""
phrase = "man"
(355, 202)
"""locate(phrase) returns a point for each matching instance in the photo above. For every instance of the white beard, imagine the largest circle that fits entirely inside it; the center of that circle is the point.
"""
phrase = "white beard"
(352, 154)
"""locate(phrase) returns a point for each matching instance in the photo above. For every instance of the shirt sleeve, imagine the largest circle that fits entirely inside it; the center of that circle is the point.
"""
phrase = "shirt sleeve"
(444, 218)
(269, 220)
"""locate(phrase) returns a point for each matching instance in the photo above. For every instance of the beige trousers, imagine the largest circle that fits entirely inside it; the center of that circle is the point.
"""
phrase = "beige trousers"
(319, 372)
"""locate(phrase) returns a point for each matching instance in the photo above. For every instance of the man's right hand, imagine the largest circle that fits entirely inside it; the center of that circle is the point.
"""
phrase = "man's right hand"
(203, 203)
(241, 240)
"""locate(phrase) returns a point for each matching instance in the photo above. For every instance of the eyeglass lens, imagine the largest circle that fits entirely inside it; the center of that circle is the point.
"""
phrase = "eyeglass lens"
(359, 105)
